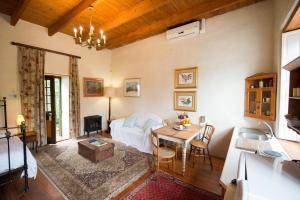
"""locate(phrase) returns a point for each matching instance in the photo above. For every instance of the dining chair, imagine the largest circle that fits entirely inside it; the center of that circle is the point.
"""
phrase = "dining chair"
(199, 147)
(162, 154)
(170, 144)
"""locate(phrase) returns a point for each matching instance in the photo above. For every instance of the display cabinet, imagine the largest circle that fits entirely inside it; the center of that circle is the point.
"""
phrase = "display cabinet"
(260, 96)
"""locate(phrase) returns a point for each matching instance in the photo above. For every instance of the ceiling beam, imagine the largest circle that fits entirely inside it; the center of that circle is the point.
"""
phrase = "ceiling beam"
(18, 11)
(201, 10)
(69, 16)
(134, 12)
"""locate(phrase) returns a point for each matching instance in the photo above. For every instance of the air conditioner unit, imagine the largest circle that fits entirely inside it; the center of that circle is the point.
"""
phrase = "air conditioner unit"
(193, 28)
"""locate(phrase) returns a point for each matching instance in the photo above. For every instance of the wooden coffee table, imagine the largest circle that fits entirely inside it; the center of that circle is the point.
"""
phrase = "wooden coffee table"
(95, 153)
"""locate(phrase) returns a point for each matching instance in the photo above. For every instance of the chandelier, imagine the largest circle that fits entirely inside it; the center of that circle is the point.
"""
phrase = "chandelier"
(90, 40)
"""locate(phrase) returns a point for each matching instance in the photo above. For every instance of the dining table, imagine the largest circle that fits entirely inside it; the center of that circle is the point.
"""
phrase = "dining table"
(181, 137)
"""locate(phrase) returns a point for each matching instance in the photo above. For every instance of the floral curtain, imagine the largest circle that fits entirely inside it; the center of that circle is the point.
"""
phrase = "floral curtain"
(74, 98)
(31, 64)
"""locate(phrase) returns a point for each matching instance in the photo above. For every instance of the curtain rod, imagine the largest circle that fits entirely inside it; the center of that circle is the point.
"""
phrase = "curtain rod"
(48, 50)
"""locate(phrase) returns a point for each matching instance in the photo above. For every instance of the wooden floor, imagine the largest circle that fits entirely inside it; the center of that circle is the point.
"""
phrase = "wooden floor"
(39, 189)
(200, 176)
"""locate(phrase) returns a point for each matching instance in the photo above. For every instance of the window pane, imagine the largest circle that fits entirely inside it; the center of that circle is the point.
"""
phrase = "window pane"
(49, 107)
(48, 99)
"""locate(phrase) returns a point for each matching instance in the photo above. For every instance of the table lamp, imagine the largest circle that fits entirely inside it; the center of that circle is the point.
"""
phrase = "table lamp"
(109, 92)
(20, 119)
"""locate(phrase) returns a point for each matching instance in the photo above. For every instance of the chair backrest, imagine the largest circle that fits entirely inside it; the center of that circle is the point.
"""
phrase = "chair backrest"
(208, 133)
(168, 122)
(155, 142)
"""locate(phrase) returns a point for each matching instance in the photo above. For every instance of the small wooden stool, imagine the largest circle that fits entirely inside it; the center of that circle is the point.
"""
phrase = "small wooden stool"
(31, 137)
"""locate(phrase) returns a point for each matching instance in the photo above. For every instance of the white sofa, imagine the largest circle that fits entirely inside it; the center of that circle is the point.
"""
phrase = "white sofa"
(136, 136)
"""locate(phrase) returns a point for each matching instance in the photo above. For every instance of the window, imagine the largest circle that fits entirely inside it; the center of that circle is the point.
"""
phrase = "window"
(47, 96)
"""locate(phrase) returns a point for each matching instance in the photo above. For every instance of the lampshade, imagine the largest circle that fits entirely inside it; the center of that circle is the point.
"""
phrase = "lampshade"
(110, 91)
(20, 119)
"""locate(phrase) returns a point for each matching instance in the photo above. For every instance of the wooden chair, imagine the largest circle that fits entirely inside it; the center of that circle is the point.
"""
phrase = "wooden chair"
(169, 144)
(199, 146)
(162, 154)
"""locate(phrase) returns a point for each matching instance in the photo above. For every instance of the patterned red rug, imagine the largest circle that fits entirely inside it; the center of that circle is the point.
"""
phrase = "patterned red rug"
(161, 186)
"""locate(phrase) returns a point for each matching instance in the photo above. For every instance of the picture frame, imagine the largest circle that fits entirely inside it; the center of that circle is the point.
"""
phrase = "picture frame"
(185, 101)
(132, 87)
(93, 87)
(186, 77)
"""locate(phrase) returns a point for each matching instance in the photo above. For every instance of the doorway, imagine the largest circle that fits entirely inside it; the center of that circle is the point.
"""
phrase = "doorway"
(55, 98)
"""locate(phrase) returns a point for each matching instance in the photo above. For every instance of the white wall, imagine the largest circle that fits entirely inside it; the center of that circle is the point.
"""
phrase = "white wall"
(56, 64)
(236, 45)
(282, 12)
(93, 64)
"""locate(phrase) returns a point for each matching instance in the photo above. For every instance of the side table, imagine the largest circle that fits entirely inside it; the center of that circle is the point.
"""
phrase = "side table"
(31, 137)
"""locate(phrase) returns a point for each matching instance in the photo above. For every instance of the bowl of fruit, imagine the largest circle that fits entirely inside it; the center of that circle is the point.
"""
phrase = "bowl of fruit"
(186, 122)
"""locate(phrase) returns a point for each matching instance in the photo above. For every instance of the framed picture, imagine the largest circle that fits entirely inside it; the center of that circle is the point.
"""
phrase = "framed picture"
(185, 101)
(93, 87)
(186, 77)
(132, 87)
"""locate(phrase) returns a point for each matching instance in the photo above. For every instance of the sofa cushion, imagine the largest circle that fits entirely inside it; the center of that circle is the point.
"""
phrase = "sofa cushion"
(130, 121)
(142, 117)
(149, 124)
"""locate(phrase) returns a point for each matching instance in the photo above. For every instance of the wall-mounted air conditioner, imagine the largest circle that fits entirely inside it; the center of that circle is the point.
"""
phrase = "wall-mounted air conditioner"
(193, 28)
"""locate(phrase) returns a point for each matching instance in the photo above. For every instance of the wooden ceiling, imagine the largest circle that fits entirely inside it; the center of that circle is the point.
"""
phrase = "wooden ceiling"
(294, 21)
(124, 21)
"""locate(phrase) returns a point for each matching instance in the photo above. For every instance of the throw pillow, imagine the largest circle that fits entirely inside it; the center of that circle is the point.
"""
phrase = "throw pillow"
(149, 124)
(129, 122)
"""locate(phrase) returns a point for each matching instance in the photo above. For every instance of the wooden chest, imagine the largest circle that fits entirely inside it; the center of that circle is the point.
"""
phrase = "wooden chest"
(95, 153)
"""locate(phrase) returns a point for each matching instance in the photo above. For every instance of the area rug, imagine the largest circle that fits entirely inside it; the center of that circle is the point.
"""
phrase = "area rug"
(78, 178)
(161, 186)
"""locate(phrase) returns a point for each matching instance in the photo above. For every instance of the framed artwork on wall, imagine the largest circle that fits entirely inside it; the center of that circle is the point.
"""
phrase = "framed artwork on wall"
(186, 77)
(185, 101)
(132, 87)
(93, 87)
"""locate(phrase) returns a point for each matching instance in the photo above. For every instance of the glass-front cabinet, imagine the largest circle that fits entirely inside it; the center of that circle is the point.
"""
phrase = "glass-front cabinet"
(260, 96)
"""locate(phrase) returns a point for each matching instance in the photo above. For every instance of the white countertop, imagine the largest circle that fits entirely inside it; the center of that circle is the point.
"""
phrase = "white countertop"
(230, 168)
(269, 178)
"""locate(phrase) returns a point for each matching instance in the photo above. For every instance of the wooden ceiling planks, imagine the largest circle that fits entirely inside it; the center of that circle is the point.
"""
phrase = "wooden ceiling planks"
(202, 10)
(103, 12)
(45, 13)
(134, 12)
(123, 21)
(69, 16)
(294, 21)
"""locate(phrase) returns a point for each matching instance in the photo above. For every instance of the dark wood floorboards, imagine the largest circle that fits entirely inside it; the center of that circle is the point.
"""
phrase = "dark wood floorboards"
(39, 189)
(200, 176)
